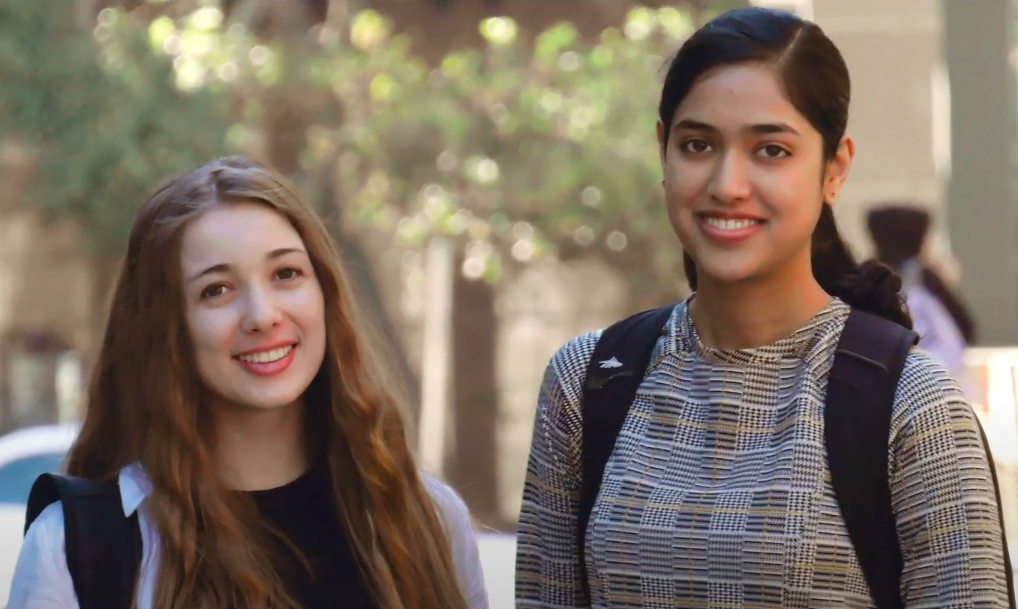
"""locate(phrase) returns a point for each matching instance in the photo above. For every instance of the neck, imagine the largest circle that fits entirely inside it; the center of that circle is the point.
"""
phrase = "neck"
(259, 449)
(730, 316)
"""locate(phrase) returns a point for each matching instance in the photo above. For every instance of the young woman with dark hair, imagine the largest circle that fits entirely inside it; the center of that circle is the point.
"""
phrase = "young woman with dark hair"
(717, 493)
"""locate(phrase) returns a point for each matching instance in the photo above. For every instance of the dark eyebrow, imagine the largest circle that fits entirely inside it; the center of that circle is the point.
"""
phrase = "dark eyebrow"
(759, 129)
(222, 268)
(691, 125)
(769, 128)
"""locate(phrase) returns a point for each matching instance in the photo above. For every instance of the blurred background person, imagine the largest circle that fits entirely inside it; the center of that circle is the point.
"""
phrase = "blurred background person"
(929, 284)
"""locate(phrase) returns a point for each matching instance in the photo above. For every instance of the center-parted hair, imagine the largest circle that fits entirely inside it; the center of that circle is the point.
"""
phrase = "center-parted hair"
(144, 405)
(816, 82)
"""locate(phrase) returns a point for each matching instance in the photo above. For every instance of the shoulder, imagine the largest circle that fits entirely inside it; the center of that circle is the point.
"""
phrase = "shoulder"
(448, 501)
(925, 381)
(48, 528)
(455, 515)
(928, 398)
(462, 540)
(565, 374)
(568, 366)
(41, 577)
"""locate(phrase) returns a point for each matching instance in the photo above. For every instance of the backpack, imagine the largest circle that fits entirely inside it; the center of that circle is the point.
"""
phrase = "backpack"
(860, 395)
(103, 546)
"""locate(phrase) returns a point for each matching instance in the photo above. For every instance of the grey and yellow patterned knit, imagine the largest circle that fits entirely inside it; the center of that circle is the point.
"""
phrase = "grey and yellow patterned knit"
(718, 493)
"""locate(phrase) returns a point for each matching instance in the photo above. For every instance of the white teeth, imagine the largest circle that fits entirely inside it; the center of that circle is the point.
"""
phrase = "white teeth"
(723, 224)
(266, 356)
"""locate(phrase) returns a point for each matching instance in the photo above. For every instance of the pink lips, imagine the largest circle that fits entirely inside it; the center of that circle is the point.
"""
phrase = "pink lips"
(268, 368)
(728, 234)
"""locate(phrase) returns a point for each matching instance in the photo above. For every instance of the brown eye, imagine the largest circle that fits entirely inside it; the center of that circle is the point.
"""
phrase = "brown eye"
(213, 291)
(695, 146)
(288, 273)
(773, 151)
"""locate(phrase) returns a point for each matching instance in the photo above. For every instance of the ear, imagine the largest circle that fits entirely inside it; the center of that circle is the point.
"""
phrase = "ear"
(837, 170)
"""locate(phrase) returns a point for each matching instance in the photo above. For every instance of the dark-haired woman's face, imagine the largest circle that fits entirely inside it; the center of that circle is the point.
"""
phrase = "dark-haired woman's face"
(745, 176)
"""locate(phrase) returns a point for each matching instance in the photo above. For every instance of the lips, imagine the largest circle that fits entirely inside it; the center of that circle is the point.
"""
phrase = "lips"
(728, 227)
(731, 224)
(269, 360)
(266, 347)
(266, 357)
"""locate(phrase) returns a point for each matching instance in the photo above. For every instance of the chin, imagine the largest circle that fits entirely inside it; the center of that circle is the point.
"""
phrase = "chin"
(266, 400)
(266, 405)
(726, 273)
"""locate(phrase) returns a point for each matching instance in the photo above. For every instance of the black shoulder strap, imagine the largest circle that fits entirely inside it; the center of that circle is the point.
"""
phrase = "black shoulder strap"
(615, 371)
(103, 546)
(857, 421)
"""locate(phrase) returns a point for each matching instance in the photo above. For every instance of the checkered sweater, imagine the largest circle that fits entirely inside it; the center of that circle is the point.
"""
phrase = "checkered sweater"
(718, 493)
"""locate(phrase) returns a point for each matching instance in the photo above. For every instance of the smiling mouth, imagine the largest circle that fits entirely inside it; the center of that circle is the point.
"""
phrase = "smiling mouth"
(731, 224)
(267, 357)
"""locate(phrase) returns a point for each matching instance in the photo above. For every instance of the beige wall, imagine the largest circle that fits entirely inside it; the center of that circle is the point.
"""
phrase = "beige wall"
(45, 281)
(893, 54)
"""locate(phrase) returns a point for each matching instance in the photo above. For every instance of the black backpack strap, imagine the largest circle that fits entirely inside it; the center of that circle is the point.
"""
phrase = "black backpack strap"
(103, 546)
(614, 373)
(857, 423)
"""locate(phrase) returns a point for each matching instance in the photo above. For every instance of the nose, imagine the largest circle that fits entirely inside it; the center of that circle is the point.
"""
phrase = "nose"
(261, 311)
(730, 180)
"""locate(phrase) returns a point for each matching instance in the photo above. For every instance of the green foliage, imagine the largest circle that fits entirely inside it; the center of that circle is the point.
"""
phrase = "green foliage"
(103, 114)
(524, 149)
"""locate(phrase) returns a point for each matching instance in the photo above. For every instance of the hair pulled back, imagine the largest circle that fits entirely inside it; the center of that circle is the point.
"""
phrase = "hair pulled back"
(817, 84)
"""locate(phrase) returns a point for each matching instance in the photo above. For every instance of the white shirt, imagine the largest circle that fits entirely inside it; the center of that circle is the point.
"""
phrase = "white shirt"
(42, 581)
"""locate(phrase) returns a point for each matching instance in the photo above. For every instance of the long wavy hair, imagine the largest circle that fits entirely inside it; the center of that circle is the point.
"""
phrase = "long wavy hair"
(144, 405)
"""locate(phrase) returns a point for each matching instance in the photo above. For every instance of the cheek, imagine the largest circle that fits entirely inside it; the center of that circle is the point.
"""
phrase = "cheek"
(308, 309)
(682, 196)
(212, 331)
(796, 198)
(687, 181)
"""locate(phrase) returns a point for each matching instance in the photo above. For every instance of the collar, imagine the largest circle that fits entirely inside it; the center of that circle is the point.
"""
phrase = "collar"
(135, 487)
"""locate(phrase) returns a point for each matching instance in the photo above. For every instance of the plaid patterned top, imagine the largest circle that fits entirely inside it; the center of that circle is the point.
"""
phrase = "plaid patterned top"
(718, 493)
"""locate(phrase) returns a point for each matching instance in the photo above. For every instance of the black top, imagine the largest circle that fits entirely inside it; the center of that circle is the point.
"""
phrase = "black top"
(303, 510)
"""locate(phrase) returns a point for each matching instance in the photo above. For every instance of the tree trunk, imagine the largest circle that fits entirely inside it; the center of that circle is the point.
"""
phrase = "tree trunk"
(474, 470)
(370, 297)
(106, 269)
(328, 202)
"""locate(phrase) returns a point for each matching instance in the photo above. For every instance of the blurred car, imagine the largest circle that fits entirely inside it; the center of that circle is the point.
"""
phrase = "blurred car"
(24, 455)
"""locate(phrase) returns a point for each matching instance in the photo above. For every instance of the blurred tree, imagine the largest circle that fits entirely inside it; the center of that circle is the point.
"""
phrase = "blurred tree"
(440, 27)
(518, 154)
(102, 117)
